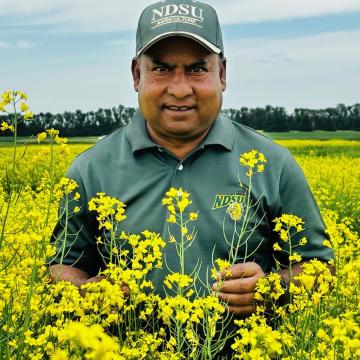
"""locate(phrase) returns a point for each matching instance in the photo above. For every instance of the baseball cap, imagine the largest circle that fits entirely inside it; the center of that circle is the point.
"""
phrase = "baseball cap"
(193, 19)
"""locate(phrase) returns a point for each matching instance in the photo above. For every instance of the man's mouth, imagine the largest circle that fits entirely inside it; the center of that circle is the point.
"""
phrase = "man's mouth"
(179, 108)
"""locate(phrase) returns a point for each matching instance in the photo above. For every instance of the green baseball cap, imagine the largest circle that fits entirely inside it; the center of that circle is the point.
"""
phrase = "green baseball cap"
(193, 19)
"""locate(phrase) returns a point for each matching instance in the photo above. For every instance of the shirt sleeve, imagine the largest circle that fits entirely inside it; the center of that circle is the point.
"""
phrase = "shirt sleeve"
(296, 198)
(75, 233)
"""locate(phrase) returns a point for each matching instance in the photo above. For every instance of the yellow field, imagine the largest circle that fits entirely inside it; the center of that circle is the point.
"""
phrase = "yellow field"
(40, 320)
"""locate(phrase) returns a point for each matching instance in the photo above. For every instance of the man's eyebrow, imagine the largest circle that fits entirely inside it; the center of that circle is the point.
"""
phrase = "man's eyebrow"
(160, 63)
(190, 66)
(196, 64)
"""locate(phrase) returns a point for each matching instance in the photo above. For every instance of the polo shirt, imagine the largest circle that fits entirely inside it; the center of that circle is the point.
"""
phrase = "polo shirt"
(130, 166)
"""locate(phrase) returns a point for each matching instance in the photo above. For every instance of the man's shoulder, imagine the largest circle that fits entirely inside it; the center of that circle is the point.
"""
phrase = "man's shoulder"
(106, 149)
(246, 136)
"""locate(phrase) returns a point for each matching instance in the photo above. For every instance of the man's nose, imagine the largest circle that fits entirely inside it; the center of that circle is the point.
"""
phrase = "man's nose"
(180, 85)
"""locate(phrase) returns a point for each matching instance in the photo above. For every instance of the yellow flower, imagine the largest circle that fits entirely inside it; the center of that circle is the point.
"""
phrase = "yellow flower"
(59, 355)
(59, 140)
(52, 132)
(307, 280)
(295, 257)
(183, 204)
(178, 279)
(28, 115)
(193, 216)
(184, 230)
(23, 96)
(41, 137)
(109, 210)
(8, 96)
(235, 211)
(2, 106)
(5, 126)
(303, 241)
(171, 219)
(277, 247)
(24, 107)
(251, 159)
(327, 243)
(284, 235)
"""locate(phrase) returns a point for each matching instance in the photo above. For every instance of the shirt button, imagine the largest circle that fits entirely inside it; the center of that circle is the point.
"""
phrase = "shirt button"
(180, 167)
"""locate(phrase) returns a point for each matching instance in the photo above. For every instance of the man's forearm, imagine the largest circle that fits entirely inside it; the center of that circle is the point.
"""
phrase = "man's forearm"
(68, 273)
(296, 270)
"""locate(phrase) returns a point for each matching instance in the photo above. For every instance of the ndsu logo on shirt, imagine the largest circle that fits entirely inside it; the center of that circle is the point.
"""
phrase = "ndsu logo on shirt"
(224, 200)
(233, 204)
(183, 13)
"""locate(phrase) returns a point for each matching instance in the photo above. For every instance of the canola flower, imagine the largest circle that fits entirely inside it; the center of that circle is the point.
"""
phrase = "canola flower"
(16, 100)
(255, 162)
(43, 320)
(256, 340)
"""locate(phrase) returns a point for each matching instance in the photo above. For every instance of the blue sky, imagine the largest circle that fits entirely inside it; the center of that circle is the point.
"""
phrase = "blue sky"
(76, 54)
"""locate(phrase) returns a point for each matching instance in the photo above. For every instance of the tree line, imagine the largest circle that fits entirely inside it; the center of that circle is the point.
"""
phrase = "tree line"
(268, 119)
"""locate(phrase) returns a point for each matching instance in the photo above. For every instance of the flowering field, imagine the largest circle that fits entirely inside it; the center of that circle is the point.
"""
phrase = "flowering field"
(42, 320)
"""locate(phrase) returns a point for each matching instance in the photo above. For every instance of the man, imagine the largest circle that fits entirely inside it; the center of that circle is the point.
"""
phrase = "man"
(177, 139)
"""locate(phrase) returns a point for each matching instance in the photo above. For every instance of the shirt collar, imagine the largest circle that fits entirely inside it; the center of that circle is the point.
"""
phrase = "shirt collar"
(221, 133)
(137, 134)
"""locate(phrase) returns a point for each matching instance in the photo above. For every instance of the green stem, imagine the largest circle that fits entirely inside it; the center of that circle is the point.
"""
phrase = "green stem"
(51, 175)
(5, 219)
(290, 264)
(64, 234)
(15, 139)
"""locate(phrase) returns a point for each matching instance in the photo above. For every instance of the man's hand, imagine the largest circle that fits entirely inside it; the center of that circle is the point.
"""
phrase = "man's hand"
(238, 290)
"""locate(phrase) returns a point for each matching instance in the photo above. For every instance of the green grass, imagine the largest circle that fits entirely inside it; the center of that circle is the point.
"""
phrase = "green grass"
(315, 135)
(8, 140)
(311, 135)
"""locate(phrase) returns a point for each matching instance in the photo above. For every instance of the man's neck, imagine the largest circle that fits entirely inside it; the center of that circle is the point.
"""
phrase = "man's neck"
(179, 148)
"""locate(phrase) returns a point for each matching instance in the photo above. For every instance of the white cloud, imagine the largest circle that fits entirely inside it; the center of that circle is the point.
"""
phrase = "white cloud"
(310, 71)
(244, 11)
(20, 44)
(4, 45)
(25, 44)
(19, 7)
(115, 15)
(313, 71)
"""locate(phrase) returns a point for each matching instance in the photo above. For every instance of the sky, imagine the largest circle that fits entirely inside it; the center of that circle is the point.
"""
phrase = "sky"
(76, 54)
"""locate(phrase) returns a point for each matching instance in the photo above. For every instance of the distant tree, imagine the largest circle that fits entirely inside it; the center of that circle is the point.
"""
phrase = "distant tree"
(354, 114)
(270, 119)
(304, 120)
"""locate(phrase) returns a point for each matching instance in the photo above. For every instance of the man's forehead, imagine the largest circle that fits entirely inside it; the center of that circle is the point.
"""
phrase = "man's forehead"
(178, 44)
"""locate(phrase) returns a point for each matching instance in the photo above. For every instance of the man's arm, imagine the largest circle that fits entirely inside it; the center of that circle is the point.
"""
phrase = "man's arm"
(77, 277)
(68, 273)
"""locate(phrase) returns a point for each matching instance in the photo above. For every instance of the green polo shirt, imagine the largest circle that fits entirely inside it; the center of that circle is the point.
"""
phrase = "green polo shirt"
(128, 165)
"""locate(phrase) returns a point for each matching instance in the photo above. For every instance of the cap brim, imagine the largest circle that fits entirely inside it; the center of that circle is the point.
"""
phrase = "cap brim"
(208, 45)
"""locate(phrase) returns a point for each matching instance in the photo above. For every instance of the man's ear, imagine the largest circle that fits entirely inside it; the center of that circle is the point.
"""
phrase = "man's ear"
(135, 70)
(222, 64)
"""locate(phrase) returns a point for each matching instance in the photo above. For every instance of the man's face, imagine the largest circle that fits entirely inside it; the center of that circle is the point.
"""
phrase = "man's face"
(179, 85)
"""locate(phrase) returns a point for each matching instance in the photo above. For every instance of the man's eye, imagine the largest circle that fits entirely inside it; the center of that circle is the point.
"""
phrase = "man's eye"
(198, 69)
(161, 69)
